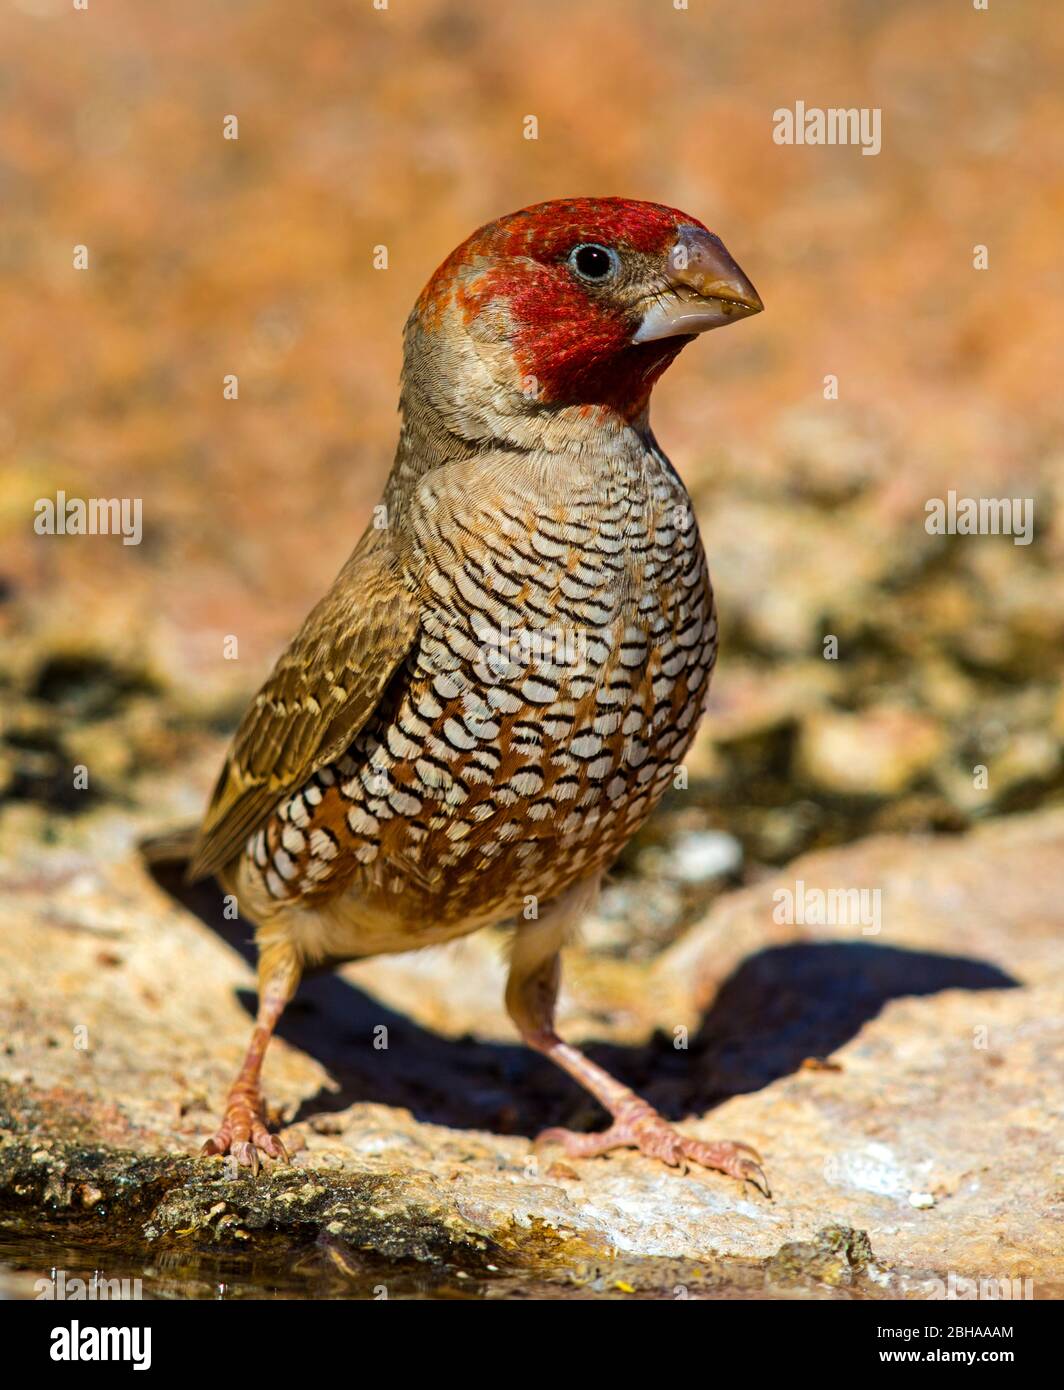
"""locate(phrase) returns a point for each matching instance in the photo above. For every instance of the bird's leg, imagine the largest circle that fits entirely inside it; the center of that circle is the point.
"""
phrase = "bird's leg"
(243, 1132)
(531, 990)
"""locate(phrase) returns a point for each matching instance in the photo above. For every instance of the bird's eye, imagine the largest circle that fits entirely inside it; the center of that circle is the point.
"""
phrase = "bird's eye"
(594, 263)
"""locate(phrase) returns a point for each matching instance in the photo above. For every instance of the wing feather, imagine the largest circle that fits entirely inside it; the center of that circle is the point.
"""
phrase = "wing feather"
(321, 692)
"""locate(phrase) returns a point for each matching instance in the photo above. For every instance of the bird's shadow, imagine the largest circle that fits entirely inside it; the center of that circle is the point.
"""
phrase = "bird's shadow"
(783, 1005)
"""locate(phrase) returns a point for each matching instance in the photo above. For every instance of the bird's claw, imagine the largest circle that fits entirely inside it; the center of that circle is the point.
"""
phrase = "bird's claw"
(642, 1128)
(243, 1136)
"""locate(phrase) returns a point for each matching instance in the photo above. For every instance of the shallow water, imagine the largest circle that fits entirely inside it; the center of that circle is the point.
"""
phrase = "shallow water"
(31, 1263)
(47, 1260)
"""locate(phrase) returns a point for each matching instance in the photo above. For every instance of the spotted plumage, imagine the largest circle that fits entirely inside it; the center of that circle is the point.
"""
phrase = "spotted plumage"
(563, 657)
(510, 668)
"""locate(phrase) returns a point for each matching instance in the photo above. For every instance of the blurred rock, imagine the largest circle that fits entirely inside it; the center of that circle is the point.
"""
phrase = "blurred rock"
(747, 701)
(834, 453)
(878, 752)
(1033, 756)
(695, 856)
(813, 508)
(635, 916)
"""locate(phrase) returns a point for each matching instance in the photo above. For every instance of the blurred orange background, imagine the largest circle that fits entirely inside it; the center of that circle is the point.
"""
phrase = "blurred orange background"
(404, 127)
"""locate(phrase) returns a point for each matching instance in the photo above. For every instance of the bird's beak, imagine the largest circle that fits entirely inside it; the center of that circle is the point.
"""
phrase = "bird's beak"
(705, 289)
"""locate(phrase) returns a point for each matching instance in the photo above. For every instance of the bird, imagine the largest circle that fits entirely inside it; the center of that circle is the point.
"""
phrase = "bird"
(507, 671)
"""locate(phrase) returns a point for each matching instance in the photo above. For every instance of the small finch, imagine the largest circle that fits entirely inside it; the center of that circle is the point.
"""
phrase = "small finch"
(499, 685)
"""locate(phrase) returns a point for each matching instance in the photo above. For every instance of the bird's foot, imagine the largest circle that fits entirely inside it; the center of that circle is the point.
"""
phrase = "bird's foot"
(639, 1126)
(243, 1134)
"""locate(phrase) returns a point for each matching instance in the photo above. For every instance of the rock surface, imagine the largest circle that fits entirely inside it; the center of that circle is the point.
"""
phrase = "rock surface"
(903, 1081)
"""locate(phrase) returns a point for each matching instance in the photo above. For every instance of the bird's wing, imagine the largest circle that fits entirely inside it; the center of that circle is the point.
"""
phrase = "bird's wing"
(321, 692)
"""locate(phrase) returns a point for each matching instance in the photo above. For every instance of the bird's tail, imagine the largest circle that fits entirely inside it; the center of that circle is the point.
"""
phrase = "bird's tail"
(172, 847)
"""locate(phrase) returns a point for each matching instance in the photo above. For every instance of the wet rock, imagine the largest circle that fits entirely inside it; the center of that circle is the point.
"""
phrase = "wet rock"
(837, 1255)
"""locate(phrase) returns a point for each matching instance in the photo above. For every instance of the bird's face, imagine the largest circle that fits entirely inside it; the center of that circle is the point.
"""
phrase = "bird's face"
(584, 302)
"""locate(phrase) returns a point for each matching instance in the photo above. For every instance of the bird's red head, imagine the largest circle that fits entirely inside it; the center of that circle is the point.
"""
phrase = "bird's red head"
(584, 301)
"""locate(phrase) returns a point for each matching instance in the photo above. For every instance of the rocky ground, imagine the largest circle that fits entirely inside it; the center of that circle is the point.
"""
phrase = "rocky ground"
(902, 1083)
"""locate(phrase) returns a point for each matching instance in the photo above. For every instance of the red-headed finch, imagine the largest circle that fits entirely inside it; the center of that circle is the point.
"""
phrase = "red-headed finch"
(496, 690)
